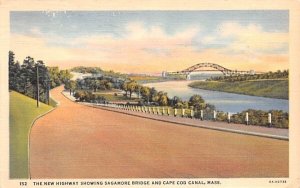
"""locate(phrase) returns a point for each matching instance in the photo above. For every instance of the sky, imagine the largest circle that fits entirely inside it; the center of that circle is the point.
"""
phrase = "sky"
(153, 41)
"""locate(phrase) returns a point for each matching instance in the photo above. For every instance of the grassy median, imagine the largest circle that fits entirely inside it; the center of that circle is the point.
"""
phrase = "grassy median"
(22, 113)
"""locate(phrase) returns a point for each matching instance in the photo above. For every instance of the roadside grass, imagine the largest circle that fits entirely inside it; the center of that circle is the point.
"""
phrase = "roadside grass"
(22, 113)
(52, 102)
(263, 88)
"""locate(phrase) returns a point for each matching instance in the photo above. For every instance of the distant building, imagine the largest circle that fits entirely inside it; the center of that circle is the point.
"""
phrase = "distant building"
(252, 72)
(98, 75)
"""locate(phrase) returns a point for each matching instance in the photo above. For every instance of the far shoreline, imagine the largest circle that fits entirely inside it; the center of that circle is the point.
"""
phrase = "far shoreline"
(240, 93)
(207, 89)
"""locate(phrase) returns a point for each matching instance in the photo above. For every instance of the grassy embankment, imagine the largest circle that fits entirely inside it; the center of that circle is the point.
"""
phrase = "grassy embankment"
(23, 112)
(263, 88)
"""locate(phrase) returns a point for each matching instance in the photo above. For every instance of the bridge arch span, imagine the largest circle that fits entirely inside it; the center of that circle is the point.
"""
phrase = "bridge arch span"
(220, 68)
(225, 71)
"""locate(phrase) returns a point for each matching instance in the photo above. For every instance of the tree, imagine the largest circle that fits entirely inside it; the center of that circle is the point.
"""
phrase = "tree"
(197, 102)
(94, 84)
(89, 97)
(178, 105)
(175, 100)
(185, 104)
(14, 77)
(155, 97)
(23, 78)
(71, 85)
(108, 85)
(14, 71)
(138, 90)
(163, 99)
(79, 95)
(27, 75)
(58, 77)
(82, 69)
(102, 84)
(54, 74)
(131, 87)
(65, 76)
(153, 93)
(44, 81)
(145, 91)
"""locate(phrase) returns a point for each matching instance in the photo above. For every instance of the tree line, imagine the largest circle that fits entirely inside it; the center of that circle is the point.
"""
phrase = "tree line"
(58, 77)
(98, 83)
(84, 70)
(147, 95)
(87, 88)
(32, 76)
(269, 75)
(97, 71)
(280, 119)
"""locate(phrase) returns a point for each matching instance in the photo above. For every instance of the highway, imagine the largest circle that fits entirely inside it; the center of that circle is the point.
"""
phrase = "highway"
(77, 141)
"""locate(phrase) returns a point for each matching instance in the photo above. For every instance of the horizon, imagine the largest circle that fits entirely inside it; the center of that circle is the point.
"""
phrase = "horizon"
(149, 42)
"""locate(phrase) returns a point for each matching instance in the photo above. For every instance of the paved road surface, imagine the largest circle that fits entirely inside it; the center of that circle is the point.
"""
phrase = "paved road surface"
(263, 131)
(77, 141)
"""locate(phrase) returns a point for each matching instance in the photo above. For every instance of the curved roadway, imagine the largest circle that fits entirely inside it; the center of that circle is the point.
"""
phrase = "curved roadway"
(77, 141)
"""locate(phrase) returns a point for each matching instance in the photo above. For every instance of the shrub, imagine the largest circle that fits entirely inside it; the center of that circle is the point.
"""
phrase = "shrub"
(260, 118)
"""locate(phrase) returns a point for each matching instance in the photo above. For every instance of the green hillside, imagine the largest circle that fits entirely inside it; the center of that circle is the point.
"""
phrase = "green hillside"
(22, 113)
(264, 88)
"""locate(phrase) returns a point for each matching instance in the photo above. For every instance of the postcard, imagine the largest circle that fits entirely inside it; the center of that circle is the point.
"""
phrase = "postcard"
(149, 94)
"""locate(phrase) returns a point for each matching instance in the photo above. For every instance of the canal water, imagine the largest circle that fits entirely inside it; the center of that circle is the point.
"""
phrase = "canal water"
(227, 102)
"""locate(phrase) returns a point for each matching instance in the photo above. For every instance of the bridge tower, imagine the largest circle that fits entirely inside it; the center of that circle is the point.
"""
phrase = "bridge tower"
(188, 77)
(164, 74)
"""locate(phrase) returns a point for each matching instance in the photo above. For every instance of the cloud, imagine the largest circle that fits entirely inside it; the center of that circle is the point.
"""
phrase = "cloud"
(139, 44)
(140, 37)
(25, 45)
(157, 51)
(253, 39)
(209, 39)
(144, 48)
(35, 31)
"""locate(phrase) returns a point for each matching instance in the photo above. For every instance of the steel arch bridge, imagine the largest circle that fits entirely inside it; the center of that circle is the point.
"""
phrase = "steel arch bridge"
(194, 68)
